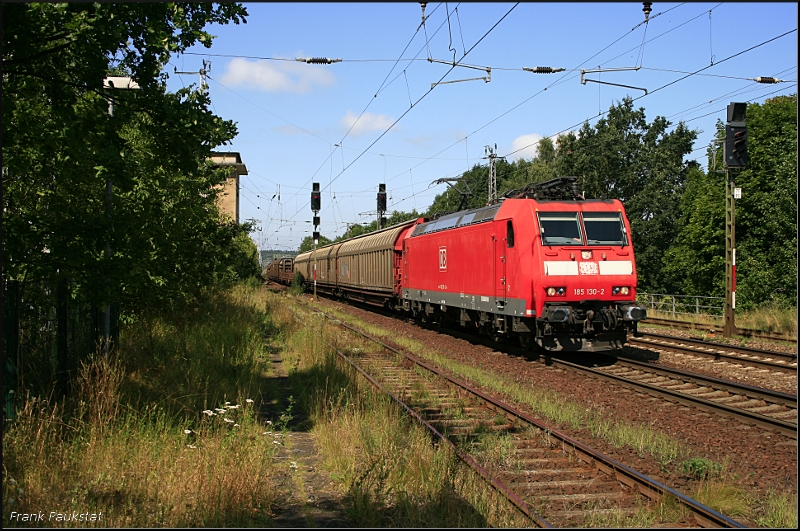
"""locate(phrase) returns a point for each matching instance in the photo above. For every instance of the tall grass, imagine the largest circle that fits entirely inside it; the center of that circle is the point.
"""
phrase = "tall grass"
(133, 444)
(770, 317)
(388, 468)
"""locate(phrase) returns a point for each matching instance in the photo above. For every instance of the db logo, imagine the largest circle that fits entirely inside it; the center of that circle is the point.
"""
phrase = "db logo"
(442, 258)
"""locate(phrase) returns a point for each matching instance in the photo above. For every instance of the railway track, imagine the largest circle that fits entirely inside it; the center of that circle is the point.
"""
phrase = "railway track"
(762, 407)
(752, 357)
(746, 332)
(551, 478)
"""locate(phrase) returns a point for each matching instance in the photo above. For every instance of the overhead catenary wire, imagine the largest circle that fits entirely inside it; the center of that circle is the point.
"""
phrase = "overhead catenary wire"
(697, 73)
(424, 95)
(672, 83)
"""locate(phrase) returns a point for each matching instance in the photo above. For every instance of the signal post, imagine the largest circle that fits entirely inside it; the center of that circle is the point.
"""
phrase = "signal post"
(316, 206)
(735, 155)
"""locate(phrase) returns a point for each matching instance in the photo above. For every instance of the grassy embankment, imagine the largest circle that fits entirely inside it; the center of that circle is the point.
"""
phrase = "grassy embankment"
(132, 441)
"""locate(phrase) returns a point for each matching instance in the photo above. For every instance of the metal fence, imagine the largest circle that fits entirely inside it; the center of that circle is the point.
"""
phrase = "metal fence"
(47, 331)
(679, 305)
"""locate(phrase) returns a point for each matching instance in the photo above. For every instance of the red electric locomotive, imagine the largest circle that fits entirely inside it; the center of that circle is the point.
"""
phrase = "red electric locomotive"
(541, 265)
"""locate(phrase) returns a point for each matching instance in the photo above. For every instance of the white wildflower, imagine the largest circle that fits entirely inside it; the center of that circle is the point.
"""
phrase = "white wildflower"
(191, 446)
(227, 403)
(209, 413)
(249, 400)
(276, 442)
(235, 425)
(293, 465)
(187, 432)
(237, 406)
(220, 410)
(229, 421)
(269, 423)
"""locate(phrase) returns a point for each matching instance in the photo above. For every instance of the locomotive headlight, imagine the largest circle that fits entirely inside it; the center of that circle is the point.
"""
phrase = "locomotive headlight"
(552, 292)
(620, 290)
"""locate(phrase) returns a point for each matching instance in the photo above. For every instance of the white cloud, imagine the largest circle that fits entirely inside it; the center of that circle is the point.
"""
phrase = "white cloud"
(278, 76)
(528, 144)
(368, 122)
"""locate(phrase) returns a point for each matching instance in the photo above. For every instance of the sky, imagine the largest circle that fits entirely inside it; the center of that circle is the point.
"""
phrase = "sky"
(388, 114)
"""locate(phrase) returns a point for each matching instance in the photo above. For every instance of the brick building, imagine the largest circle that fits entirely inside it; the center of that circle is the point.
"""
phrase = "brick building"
(229, 198)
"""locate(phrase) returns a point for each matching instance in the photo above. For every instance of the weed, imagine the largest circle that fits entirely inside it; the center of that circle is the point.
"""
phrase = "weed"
(778, 510)
(726, 499)
(700, 468)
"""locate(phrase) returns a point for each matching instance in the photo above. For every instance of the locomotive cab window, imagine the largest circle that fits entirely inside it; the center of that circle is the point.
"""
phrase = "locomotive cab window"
(604, 228)
(560, 228)
(509, 234)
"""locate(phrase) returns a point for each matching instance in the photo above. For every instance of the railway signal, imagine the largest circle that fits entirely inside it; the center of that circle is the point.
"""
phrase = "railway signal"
(316, 198)
(735, 156)
(381, 205)
(316, 206)
(736, 136)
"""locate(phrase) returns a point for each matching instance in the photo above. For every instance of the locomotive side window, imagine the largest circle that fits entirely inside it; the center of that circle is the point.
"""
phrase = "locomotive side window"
(509, 234)
(604, 228)
(466, 218)
(560, 228)
(446, 223)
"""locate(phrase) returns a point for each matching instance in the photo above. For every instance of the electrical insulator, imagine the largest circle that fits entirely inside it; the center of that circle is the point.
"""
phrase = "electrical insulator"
(765, 80)
(647, 9)
(318, 60)
(544, 69)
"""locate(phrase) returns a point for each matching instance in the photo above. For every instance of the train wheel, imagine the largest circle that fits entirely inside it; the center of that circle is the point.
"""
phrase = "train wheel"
(525, 340)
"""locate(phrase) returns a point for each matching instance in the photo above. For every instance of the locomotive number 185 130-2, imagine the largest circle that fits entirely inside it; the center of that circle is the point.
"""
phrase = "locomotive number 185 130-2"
(590, 291)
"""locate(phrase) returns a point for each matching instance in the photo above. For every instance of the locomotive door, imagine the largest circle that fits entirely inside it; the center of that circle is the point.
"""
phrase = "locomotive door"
(500, 253)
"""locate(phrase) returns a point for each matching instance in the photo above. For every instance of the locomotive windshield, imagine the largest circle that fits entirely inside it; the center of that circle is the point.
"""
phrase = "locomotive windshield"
(604, 228)
(560, 228)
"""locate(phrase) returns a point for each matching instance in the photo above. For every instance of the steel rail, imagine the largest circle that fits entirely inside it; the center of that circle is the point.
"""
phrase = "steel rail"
(781, 426)
(648, 486)
(750, 391)
(721, 356)
(650, 340)
(494, 482)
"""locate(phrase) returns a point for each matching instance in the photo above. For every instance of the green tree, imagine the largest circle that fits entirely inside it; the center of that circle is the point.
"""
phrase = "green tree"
(308, 243)
(66, 139)
(696, 261)
(642, 164)
(766, 215)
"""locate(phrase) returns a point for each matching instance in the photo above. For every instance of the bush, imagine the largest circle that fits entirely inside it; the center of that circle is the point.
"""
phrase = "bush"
(298, 283)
